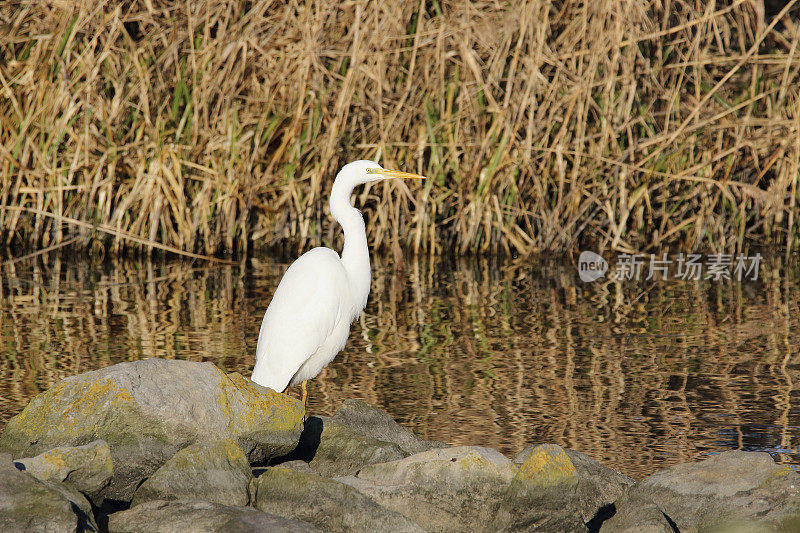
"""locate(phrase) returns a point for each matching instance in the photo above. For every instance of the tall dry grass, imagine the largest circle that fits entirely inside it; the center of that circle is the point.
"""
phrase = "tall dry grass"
(210, 125)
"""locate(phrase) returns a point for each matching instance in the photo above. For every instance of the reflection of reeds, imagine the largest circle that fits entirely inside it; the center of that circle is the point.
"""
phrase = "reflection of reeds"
(479, 351)
(214, 125)
(514, 358)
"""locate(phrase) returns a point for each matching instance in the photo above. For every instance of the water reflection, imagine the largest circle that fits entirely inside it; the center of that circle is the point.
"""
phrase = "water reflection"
(478, 351)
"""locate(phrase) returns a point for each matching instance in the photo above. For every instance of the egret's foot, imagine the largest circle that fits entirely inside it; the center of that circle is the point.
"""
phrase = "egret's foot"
(305, 398)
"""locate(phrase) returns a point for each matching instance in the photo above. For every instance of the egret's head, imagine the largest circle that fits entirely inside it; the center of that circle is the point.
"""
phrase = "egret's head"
(352, 175)
(359, 172)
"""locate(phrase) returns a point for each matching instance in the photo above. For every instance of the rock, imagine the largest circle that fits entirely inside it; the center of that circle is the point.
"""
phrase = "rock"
(328, 504)
(599, 486)
(633, 514)
(148, 410)
(735, 489)
(86, 468)
(80, 505)
(544, 494)
(298, 466)
(215, 471)
(333, 449)
(444, 489)
(378, 424)
(545, 465)
(200, 517)
(28, 504)
(593, 487)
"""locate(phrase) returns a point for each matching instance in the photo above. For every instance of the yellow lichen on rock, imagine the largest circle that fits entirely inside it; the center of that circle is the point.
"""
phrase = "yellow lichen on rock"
(248, 407)
(124, 396)
(475, 462)
(776, 476)
(62, 404)
(32, 418)
(92, 393)
(55, 459)
(233, 451)
(547, 464)
(147, 410)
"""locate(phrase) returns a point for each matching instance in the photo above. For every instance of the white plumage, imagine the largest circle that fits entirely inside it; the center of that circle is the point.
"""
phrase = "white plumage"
(308, 320)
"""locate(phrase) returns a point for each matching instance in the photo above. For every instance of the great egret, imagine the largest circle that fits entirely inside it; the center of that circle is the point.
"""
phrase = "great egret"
(308, 320)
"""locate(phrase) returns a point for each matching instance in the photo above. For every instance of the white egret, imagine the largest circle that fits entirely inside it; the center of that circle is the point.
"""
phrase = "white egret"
(308, 320)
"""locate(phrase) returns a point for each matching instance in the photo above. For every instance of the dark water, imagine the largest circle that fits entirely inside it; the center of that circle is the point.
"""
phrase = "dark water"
(481, 351)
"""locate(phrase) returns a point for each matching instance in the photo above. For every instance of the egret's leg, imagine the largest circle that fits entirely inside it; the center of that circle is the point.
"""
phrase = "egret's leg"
(305, 395)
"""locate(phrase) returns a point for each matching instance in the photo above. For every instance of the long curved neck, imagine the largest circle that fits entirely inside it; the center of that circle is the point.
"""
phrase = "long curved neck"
(355, 254)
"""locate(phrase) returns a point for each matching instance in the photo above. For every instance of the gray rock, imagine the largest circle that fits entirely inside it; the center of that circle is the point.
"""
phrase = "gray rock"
(80, 505)
(298, 466)
(444, 489)
(329, 504)
(333, 449)
(148, 410)
(215, 471)
(85, 468)
(378, 424)
(200, 517)
(545, 494)
(28, 504)
(595, 486)
(745, 491)
(634, 514)
(599, 485)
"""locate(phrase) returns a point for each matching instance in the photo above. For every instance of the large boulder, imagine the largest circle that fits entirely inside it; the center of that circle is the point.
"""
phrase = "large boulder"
(215, 471)
(201, 517)
(329, 504)
(444, 489)
(148, 410)
(28, 504)
(334, 449)
(374, 422)
(734, 490)
(85, 468)
(561, 488)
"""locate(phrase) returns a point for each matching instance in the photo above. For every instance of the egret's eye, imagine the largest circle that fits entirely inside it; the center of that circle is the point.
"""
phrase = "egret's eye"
(374, 170)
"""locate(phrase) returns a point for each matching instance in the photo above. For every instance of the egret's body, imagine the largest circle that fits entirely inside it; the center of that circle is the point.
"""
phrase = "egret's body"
(308, 320)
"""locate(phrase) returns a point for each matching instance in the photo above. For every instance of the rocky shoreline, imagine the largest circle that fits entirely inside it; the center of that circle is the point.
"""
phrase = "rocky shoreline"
(167, 445)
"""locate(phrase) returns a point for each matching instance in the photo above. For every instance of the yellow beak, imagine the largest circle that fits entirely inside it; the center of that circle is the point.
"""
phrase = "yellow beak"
(395, 174)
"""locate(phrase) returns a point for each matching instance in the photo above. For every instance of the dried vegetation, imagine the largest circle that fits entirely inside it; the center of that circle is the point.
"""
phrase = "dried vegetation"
(218, 125)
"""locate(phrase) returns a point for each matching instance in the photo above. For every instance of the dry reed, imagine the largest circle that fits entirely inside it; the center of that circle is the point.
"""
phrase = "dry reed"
(212, 126)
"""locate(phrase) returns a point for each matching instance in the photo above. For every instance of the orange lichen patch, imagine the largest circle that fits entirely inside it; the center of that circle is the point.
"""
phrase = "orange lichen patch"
(91, 394)
(547, 464)
(124, 396)
(54, 458)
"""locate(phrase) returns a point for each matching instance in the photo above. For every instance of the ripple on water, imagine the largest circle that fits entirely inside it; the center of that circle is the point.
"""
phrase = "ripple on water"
(480, 351)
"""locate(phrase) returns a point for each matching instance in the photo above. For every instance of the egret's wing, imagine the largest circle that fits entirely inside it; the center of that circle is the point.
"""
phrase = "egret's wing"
(304, 310)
